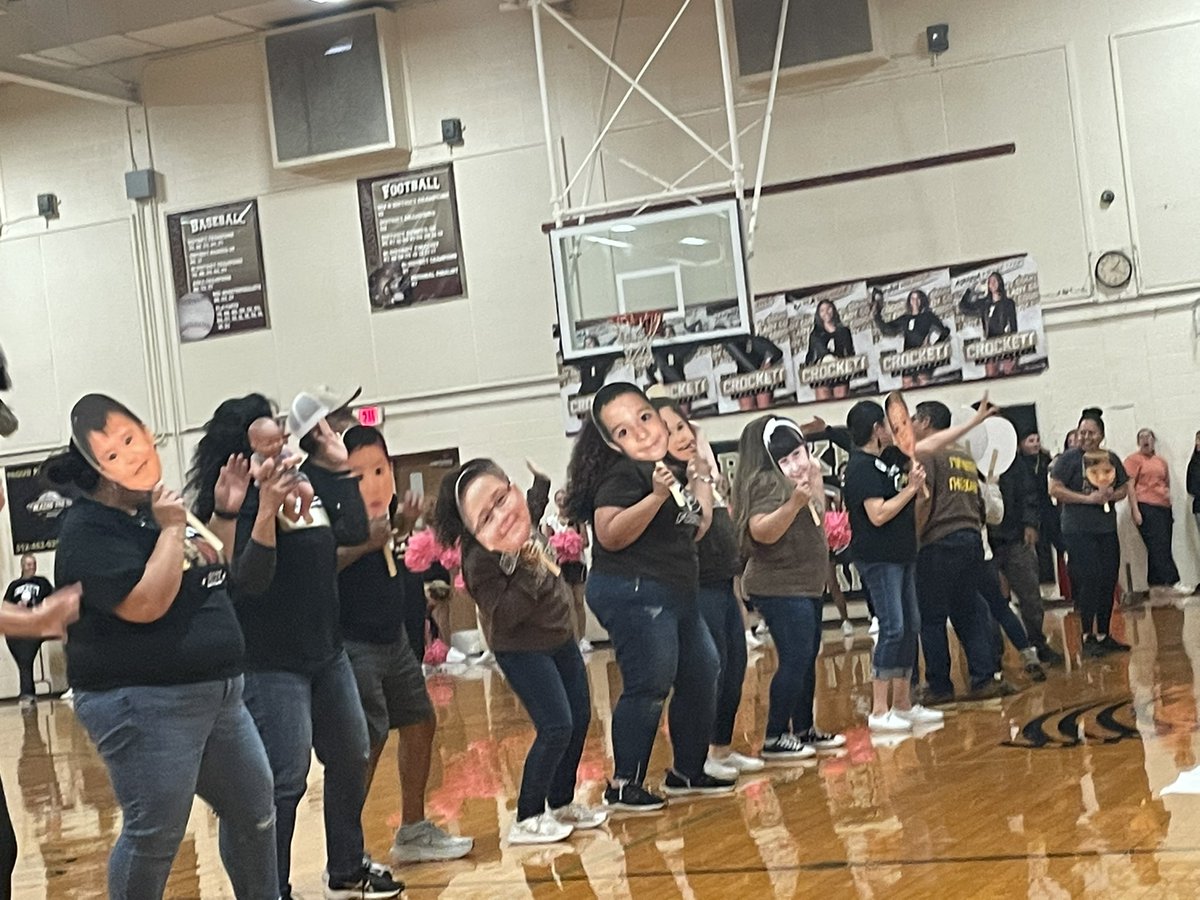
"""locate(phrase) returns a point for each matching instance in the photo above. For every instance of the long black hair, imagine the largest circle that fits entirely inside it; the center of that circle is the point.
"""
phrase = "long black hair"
(756, 471)
(1003, 288)
(224, 436)
(591, 459)
(818, 325)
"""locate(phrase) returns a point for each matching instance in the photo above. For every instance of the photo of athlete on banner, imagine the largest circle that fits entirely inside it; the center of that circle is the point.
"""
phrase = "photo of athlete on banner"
(999, 319)
(914, 323)
(831, 327)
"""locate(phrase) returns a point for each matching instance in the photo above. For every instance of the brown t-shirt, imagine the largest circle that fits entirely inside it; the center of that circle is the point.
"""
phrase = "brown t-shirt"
(525, 610)
(796, 565)
(955, 500)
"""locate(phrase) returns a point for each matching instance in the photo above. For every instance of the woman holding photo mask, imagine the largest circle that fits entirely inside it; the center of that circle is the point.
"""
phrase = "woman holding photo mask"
(525, 613)
(643, 588)
(780, 503)
(719, 605)
(156, 659)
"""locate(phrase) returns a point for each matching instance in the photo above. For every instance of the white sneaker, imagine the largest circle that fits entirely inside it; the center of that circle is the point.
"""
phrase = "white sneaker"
(848, 628)
(873, 628)
(740, 762)
(752, 642)
(585, 646)
(889, 721)
(543, 829)
(425, 842)
(720, 769)
(579, 816)
(919, 715)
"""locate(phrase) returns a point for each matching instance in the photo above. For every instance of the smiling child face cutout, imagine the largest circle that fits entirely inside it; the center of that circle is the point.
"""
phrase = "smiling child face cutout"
(116, 443)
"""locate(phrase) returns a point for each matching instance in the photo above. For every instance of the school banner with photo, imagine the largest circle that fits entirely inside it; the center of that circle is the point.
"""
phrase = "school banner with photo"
(410, 237)
(35, 510)
(860, 338)
(216, 260)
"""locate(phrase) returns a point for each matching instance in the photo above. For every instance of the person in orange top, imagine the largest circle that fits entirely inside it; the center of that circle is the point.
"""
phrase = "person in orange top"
(1150, 479)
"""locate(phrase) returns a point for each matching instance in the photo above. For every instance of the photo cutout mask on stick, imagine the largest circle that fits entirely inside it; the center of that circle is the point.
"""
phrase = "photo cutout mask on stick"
(899, 420)
(629, 424)
(1099, 471)
(369, 462)
(116, 443)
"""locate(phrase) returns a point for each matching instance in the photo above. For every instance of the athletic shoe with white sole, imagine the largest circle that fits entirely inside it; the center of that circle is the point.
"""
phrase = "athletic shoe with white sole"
(786, 748)
(373, 883)
(717, 769)
(819, 740)
(580, 817)
(919, 715)
(425, 842)
(633, 798)
(677, 785)
(888, 722)
(543, 829)
(740, 762)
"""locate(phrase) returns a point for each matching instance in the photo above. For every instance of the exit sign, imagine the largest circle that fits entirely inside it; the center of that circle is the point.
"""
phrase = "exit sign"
(371, 416)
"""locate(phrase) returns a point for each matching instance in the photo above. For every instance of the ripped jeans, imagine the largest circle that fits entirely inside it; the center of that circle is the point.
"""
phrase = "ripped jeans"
(165, 745)
(661, 643)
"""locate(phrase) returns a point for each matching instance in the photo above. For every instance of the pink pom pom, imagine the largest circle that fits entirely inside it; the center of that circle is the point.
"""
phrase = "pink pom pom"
(837, 529)
(460, 583)
(451, 557)
(421, 551)
(567, 545)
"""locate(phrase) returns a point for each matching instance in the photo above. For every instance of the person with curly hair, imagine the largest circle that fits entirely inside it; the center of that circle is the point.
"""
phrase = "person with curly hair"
(643, 588)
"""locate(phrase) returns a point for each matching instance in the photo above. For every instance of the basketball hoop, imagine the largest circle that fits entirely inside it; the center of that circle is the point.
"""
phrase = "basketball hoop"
(635, 334)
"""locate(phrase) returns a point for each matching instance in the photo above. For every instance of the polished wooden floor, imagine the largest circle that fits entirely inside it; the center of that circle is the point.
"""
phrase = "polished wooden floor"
(1058, 792)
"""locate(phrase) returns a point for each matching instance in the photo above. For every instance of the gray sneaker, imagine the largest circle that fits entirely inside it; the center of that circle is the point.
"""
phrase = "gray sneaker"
(425, 842)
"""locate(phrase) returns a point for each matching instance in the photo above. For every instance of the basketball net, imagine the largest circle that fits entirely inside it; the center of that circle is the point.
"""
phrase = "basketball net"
(635, 332)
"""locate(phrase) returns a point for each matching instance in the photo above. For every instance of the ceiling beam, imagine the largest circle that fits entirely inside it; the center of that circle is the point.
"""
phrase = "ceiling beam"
(88, 85)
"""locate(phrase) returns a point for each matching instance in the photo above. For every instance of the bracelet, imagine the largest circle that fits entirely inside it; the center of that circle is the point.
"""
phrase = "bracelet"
(226, 516)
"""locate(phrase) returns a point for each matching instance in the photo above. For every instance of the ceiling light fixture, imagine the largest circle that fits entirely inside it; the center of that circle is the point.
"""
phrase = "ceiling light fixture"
(342, 45)
(608, 242)
(623, 228)
(693, 241)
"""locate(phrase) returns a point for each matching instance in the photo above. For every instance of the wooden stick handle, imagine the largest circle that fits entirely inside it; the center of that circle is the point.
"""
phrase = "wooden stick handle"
(389, 557)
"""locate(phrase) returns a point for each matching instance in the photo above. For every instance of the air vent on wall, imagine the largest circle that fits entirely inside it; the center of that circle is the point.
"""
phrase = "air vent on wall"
(329, 91)
(820, 35)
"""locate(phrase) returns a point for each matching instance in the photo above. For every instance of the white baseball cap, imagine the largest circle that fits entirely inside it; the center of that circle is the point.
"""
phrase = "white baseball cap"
(310, 407)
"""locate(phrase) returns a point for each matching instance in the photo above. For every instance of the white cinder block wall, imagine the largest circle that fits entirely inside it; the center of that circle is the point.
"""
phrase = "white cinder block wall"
(1095, 95)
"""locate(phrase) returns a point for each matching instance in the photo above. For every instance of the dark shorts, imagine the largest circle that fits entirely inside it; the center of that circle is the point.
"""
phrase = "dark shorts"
(391, 686)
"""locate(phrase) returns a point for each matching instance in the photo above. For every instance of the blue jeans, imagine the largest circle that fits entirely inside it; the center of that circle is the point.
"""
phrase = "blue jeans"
(552, 685)
(722, 613)
(954, 580)
(164, 745)
(296, 715)
(660, 642)
(795, 624)
(893, 588)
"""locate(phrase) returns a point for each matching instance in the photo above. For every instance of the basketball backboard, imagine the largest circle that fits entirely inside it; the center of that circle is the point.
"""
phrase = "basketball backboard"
(686, 263)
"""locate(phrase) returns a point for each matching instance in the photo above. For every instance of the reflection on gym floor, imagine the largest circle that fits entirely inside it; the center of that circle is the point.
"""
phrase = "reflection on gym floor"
(1087, 785)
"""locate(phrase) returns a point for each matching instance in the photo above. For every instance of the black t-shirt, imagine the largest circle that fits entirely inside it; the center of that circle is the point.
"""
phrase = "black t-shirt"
(372, 601)
(28, 592)
(869, 476)
(666, 550)
(198, 638)
(719, 558)
(294, 624)
(1086, 518)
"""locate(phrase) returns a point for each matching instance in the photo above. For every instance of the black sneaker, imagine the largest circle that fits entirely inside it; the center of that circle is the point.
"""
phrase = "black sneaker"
(1049, 656)
(786, 747)
(373, 883)
(631, 797)
(821, 741)
(702, 785)
(1093, 648)
(1112, 645)
(993, 689)
(935, 699)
